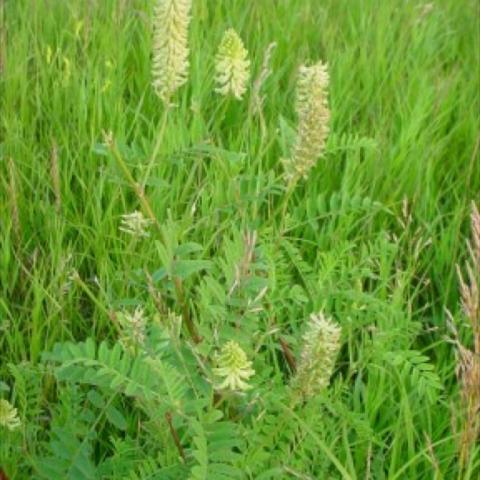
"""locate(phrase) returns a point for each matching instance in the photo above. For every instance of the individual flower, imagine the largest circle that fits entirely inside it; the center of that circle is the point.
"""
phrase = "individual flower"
(170, 46)
(135, 224)
(8, 416)
(232, 65)
(133, 328)
(234, 366)
(317, 360)
(313, 118)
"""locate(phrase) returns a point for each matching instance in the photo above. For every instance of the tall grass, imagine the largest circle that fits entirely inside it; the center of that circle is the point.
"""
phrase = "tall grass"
(372, 236)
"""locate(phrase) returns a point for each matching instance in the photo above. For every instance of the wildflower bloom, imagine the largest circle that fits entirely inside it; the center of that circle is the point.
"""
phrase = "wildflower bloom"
(313, 117)
(232, 65)
(133, 326)
(317, 360)
(135, 224)
(170, 46)
(234, 366)
(8, 416)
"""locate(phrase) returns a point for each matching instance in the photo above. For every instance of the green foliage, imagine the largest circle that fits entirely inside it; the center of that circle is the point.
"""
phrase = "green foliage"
(71, 457)
(217, 448)
(372, 238)
(69, 451)
(416, 372)
(142, 377)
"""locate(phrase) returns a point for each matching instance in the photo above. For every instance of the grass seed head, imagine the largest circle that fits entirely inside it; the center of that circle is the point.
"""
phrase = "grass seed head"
(468, 360)
(257, 98)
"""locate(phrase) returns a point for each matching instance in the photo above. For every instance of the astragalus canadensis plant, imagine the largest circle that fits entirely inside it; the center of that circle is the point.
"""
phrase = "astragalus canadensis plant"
(222, 259)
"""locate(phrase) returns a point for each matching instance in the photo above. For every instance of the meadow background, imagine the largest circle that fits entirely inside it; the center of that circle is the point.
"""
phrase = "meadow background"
(372, 238)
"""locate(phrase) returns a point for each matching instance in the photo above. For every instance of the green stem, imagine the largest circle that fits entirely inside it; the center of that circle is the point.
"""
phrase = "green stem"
(137, 188)
(78, 280)
(321, 444)
(158, 144)
(179, 290)
(282, 208)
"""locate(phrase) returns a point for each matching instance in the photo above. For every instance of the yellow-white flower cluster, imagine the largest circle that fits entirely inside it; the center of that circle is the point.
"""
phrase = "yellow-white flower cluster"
(135, 224)
(232, 66)
(8, 416)
(313, 118)
(234, 367)
(170, 46)
(133, 329)
(317, 361)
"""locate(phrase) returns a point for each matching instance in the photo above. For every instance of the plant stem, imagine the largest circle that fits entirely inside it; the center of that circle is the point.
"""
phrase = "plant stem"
(174, 434)
(287, 353)
(158, 144)
(137, 188)
(185, 310)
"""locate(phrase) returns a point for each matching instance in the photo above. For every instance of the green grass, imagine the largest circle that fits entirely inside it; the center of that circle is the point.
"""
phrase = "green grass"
(372, 237)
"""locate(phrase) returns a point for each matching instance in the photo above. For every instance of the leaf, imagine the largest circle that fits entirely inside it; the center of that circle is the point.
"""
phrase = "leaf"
(159, 274)
(187, 268)
(417, 370)
(100, 149)
(96, 399)
(214, 443)
(116, 418)
(71, 457)
(113, 369)
(187, 248)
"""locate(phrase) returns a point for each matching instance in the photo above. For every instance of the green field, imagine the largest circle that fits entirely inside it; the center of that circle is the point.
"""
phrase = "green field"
(113, 338)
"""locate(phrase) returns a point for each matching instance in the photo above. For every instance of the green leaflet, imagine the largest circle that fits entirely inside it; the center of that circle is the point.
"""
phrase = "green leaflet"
(111, 368)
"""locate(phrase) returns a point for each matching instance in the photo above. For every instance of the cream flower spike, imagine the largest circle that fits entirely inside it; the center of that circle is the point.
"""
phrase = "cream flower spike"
(133, 329)
(234, 367)
(170, 46)
(8, 416)
(313, 118)
(232, 66)
(317, 360)
(135, 224)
